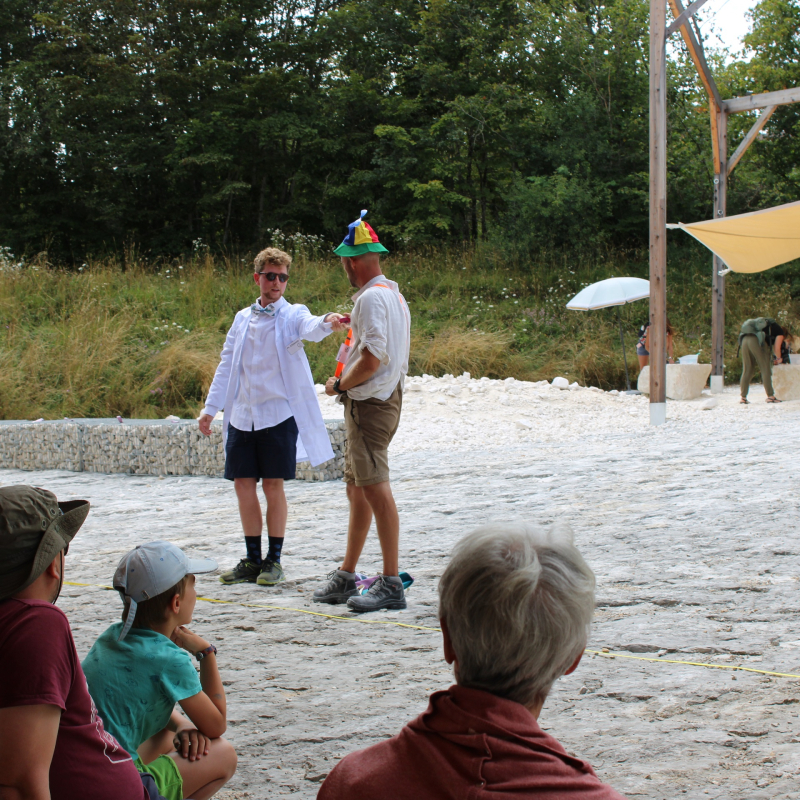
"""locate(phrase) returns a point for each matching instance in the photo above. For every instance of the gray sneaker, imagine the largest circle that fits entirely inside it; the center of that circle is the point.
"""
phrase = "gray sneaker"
(245, 571)
(340, 587)
(382, 594)
(271, 573)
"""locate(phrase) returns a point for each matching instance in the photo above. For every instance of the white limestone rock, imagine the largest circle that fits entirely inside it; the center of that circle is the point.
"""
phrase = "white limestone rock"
(560, 383)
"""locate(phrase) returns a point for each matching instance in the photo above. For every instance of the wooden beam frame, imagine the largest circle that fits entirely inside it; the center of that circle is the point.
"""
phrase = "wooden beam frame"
(719, 110)
(697, 53)
(762, 120)
(698, 56)
(685, 15)
(751, 102)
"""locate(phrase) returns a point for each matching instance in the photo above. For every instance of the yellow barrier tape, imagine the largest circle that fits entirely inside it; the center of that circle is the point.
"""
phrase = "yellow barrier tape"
(363, 620)
(609, 654)
(367, 621)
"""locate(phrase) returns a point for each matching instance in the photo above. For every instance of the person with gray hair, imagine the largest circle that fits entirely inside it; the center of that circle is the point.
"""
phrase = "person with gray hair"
(515, 606)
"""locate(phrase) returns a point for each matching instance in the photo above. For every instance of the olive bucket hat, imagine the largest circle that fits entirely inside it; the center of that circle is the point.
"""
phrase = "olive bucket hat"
(34, 529)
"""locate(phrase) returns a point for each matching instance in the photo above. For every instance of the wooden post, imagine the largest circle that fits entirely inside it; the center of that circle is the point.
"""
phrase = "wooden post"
(658, 212)
(717, 381)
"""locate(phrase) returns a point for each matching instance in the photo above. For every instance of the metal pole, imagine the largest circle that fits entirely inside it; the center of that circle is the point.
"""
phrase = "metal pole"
(717, 381)
(658, 213)
(624, 357)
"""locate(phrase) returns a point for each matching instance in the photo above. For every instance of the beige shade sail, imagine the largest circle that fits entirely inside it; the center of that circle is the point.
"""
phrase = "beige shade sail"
(751, 242)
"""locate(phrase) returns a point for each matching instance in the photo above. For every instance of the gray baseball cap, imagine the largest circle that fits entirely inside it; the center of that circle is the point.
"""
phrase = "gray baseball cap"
(150, 569)
(34, 529)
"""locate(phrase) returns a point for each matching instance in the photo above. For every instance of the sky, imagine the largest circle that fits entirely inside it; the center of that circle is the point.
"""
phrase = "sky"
(724, 22)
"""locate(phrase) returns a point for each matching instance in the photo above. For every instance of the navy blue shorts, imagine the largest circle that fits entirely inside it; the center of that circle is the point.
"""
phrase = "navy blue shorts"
(268, 453)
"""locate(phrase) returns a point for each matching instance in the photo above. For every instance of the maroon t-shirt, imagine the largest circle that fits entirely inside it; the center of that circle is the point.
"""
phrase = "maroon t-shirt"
(39, 666)
(472, 745)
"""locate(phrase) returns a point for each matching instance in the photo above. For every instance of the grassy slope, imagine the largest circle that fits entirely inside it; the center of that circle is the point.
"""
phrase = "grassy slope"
(145, 342)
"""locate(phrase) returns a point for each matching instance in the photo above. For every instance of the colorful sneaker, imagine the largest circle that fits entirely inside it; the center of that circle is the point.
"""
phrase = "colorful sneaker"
(340, 587)
(246, 571)
(383, 593)
(271, 573)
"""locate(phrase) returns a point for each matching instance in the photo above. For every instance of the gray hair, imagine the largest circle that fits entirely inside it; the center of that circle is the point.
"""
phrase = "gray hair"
(518, 603)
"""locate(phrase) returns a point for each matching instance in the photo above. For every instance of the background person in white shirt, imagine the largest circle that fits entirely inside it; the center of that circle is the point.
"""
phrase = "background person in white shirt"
(272, 418)
(371, 389)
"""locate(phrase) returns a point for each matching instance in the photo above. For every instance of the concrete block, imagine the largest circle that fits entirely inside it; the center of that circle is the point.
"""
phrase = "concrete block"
(684, 381)
(786, 381)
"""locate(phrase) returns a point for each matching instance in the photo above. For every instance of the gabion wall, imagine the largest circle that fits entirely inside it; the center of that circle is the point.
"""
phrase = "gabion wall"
(140, 447)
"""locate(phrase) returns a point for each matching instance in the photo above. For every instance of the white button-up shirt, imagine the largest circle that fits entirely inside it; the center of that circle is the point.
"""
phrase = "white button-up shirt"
(261, 400)
(381, 322)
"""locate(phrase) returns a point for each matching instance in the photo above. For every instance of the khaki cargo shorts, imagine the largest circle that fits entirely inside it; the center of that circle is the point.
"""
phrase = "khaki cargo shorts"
(370, 425)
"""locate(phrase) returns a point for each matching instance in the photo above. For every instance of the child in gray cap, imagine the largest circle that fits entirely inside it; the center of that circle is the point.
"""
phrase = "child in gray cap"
(139, 668)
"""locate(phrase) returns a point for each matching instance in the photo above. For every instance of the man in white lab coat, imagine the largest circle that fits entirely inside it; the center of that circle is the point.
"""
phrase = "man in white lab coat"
(272, 418)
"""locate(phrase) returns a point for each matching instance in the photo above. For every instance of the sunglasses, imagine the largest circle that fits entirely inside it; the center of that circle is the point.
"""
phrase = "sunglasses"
(270, 276)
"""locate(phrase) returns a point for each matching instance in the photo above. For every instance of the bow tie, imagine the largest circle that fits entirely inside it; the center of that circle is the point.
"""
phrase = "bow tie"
(257, 308)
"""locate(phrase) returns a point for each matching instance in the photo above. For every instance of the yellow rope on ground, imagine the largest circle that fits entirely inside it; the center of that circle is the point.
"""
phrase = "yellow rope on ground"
(368, 621)
(609, 654)
(364, 620)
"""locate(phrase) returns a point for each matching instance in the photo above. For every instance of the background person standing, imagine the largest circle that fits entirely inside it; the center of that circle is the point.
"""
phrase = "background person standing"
(272, 418)
(758, 340)
(371, 389)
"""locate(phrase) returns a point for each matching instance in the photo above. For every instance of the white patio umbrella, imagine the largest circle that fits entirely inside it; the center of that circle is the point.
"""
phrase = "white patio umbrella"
(612, 292)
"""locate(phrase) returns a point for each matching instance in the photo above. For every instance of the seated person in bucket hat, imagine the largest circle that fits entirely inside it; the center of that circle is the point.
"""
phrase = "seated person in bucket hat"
(515, 603)
(139, 668)
(53, 744)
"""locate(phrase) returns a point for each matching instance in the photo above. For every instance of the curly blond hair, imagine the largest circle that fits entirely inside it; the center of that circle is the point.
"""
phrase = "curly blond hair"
(272, 257)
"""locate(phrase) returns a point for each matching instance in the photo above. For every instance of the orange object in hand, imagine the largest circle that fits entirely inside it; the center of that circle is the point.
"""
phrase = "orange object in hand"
(343, 354)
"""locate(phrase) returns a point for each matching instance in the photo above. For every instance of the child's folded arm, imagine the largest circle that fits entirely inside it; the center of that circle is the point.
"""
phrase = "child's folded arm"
(205, 715)
(206, 709)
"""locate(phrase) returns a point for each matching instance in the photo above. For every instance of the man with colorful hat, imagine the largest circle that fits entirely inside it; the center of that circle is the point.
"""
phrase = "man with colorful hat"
(370, 387)
(54, 744)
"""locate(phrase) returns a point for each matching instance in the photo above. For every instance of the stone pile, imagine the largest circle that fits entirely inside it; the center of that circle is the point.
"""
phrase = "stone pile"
(138, 447)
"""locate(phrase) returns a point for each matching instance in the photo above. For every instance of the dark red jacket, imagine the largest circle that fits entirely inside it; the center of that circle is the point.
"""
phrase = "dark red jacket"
(469, 744)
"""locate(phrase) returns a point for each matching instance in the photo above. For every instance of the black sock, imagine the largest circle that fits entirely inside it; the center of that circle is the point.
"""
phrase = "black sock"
(275, 547)
(253, 544)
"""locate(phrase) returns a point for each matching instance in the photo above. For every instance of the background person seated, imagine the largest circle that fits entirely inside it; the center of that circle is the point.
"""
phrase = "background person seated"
(52, 743)
(643, 345)
(139, 668)
(515, 604)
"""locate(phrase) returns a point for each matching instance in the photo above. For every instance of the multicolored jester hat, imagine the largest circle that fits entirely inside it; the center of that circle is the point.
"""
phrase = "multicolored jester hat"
(360, 239)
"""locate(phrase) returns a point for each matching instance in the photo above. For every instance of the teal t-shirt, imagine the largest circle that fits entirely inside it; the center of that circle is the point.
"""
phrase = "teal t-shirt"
(135, 683)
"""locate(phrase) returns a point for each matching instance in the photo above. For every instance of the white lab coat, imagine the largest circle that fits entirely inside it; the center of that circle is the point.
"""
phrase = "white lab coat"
(292, 322)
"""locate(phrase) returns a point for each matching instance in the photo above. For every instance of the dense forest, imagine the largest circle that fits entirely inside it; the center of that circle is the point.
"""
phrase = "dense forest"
(160, 124)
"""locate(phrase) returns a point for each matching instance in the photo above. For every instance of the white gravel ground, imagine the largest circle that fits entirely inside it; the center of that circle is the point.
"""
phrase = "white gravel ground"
(690, 528)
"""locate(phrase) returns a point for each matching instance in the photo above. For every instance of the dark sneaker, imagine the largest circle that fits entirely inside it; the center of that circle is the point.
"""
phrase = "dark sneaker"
(246, 571)
(271, 573)
(340, 587)
(382, 594)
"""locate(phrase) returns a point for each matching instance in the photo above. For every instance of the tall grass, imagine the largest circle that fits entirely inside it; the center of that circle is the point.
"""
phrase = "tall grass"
(142, 339)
